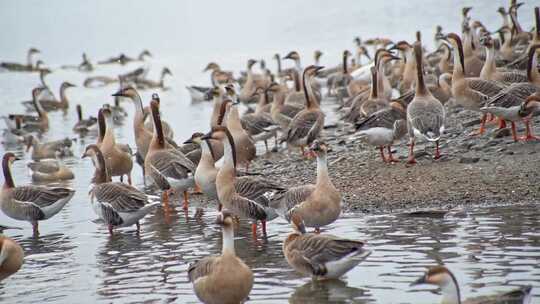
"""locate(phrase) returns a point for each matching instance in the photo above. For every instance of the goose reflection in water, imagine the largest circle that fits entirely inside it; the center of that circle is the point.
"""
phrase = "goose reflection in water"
(330, 291)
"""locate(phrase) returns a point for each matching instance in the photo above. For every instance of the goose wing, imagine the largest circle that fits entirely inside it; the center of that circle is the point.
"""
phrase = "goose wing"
(247, 208)
(202, 268)
(256, 123)
(306, 124)
(172, 164)
(292, 197)
(513, 95)
(120, 197)
(40, 196)
(383, 118)
(486, 87)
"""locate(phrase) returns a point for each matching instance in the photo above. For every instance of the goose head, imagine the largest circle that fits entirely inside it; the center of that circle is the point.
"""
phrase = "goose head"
(225, 218)
(128, 92)
(357, 41)
(33, 50)
(293, 55)
(531, 104)
(274, 87)
(66, 85)
(312, 70)
(401, 46)
(297, 222)
(212, 66)
(502, 11)
(251, 63)
(213, 92)
(95, 154)
(10, 158)
(317, 55)
(196, 138)
(438, 275)
(319, 147)
(145, 53)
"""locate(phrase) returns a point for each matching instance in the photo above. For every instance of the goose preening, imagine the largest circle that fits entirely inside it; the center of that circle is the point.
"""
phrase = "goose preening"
(425, 114)
(21, 67)
(321, 256)
(318, 204)
(117, 204)
(236, 201)
(11, 257)
(30, 203)
(223, 279)
(451, 294)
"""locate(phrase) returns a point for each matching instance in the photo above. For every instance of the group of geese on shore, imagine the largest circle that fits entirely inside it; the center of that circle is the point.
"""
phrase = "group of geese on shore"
(466, 70)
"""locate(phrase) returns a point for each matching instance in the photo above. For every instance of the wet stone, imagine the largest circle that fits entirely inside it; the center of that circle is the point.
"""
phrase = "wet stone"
(468, 160)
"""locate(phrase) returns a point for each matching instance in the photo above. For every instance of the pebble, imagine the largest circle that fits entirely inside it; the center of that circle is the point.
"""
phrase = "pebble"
(502, 133)
(471, 123)
(468, 160)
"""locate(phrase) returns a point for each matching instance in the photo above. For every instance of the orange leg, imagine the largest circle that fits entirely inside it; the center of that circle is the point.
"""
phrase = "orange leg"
(197, 189)
(186, 203)
(528, 132)
(437, 150)
(129, 179)
(502, 123)
(411, 160)
(390, 156)
(482, 126)
(514, 133)
(381, 149)
(254, 231)
(302, 151)
(166, 200)
(111, 230)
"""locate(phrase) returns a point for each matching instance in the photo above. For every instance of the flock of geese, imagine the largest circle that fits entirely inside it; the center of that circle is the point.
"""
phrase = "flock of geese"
(494, 73)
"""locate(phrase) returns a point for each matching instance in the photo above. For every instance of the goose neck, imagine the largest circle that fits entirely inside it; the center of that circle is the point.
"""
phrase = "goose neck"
(322, 169)
(8, 178)
(228, 240)
(450, 293)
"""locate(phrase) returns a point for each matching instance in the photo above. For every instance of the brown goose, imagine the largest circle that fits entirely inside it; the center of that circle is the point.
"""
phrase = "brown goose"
(38, 123)
(117, 158)
(19, 67)
(117, 204)
(53, 104)
(471, 93)
(490, 71)
(30, 203)
(223, 279)
(218, 76)
(164, 167)
(425, 114)
(451, 294)
(374, 102)
(47, 149)
(282, 113)
(321, 256)
(84, 125)
(307, 125)
(145, 84)
(11, 257)
(228, 196)
(260, 125)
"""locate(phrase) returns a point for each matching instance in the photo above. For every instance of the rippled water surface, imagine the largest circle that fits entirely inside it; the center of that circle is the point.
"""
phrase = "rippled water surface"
(75, 261)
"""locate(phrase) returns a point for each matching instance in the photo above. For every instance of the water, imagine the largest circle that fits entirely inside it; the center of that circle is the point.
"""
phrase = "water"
(75, 260)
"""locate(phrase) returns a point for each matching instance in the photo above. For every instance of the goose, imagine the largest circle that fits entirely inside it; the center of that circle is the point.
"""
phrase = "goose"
(117, 158)
(471, 92)
(117, 204)
(244, 144)
(519, 112)
(47, 149)
(218, 76)
(38, 123)
(506, 50)
(294, 56)
(253, 81)
(521, 61)
(425, 114)
(319, 205)
(205, 175)
(13, 134)
(408, 66)
(281, 112)
(30, 203)
(374, 102)
(143, 83)
(19, 67)
(320, 256)
(84, 66)
(228, 196)
(260, 125)
(223, 279)
(451, 294)
(340, 78)
(84, 125)
(51, 170)
(307, 124)
(149, 125)
(164, 167)
(490, 71)
(53, 104)
(519, 36)
(384, 127)
(99, 81)
(11, 257)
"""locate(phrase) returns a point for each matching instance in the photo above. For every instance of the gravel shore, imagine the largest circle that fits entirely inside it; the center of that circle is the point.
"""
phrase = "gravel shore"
(474, 170)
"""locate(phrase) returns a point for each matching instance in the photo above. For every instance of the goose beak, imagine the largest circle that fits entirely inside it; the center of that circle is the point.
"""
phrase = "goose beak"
(420, 280)
(119, 93)
(189, 141)
(207, 136)
(16, 158)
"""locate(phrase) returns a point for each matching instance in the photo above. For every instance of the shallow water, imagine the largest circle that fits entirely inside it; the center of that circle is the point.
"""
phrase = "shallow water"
(75, 261)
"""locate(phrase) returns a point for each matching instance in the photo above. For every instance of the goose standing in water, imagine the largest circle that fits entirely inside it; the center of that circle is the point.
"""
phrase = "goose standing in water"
(318, 205)
(11, 257)
(38, 123)
(167, 168)
(259, 124)
(117, 204)
(223, 279)
(307, 125)
(451, 294)
(117, 157)
(50, 171)
(84, 125)
(19, 67)
(145, 84)
(425, 114)
(321, 256)
(30, 203)
(48, 149)
(228, 196)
